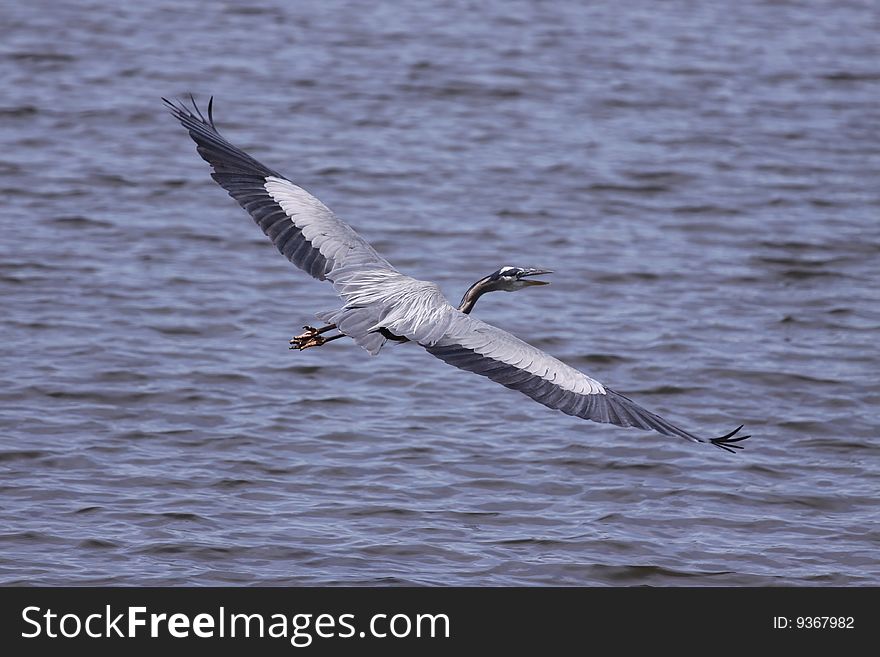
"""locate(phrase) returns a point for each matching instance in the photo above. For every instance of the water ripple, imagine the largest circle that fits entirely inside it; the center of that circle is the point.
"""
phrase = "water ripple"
(707, 198)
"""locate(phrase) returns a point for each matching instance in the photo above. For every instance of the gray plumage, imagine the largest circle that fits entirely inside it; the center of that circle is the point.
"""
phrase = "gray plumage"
(381, 303)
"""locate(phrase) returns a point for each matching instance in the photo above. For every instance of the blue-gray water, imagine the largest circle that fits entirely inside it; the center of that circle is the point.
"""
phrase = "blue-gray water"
(704, 177)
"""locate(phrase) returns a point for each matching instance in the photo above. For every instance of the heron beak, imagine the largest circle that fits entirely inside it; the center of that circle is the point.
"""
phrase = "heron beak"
(535, 272)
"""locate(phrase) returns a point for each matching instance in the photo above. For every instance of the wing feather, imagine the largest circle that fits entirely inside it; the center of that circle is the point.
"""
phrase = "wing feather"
(301, 227)
(515, 364)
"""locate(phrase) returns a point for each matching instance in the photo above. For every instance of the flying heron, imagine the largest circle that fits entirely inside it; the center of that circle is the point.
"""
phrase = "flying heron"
(382, 304)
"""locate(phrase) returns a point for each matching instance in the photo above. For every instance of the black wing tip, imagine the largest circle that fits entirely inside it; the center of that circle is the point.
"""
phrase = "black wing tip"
(183, 113)
(727, 442)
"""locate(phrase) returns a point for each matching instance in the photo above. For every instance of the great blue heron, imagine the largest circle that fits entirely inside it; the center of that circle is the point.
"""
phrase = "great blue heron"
(382, 304)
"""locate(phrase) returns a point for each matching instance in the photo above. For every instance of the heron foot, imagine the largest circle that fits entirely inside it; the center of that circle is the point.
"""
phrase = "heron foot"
(314, 341)
(311, 338)
(310, 331)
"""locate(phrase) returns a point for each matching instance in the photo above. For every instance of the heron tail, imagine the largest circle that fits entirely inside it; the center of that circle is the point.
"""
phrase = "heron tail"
(355, 323)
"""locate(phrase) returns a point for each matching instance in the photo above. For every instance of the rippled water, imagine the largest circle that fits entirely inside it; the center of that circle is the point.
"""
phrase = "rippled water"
(702, 176)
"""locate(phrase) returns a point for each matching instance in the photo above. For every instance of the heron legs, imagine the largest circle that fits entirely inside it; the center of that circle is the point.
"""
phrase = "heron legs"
(312, 337)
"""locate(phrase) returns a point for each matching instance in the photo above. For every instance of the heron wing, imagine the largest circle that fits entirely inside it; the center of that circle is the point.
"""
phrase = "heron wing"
(302, 228)
(475, 346)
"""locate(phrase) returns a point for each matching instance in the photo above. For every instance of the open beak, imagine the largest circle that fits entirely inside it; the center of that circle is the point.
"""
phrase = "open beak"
(535, 272)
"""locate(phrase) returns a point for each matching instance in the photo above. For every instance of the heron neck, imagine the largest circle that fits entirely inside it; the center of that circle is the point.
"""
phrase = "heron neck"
(475, 291)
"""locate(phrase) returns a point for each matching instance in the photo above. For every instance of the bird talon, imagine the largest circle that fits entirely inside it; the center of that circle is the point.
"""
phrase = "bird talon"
(314, 341)
(311, 338)
(311, 332)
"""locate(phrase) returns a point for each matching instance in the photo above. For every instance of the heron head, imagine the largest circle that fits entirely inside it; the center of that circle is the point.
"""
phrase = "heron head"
(516, 278)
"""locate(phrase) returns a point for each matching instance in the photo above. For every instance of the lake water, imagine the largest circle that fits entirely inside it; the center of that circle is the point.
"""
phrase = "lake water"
(703, 177)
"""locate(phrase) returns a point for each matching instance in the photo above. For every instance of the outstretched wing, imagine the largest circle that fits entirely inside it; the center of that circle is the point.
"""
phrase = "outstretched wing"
(300, 226)
(478, 347)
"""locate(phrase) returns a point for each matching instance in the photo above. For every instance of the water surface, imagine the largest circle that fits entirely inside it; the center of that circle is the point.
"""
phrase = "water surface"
(701, 176)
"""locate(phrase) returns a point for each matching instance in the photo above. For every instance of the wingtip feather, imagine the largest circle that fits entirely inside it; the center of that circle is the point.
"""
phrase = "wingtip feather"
(728, 443)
